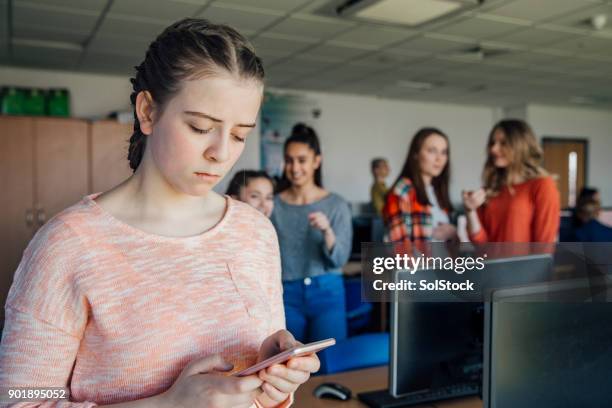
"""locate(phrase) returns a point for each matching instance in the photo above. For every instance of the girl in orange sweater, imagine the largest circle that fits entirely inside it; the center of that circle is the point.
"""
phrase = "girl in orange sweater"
(520, 201)
(150, 294)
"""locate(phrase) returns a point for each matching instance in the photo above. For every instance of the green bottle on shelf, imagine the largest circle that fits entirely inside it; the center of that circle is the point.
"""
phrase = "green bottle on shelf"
(34, 103)
(12, 101)
(58, 102)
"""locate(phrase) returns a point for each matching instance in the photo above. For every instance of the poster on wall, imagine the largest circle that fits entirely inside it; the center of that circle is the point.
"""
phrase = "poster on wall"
(279, 113)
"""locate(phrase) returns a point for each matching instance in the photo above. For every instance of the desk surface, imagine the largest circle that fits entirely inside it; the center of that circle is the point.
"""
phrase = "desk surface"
(369, 379)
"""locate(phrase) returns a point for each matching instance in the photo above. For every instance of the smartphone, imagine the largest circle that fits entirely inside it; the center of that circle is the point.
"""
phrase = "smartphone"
(283, 356)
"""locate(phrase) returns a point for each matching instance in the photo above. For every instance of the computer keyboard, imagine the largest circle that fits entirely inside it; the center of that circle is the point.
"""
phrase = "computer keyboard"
(382, 398)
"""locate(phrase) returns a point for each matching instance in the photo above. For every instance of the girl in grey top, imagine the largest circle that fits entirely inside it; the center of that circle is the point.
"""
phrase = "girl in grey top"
(314, 230)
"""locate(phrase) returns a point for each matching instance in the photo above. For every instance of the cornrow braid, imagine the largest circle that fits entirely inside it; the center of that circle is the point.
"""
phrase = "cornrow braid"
(188, 49)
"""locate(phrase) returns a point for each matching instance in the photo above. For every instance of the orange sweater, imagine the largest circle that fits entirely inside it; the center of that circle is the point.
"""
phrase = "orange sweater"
(114, 313)
(531, 214)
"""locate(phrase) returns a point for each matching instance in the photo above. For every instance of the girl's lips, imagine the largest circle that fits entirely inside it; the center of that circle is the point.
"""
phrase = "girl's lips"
(207, 176)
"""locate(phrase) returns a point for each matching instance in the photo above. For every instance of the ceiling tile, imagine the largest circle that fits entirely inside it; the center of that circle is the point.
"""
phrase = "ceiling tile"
(533, 37)
(110, 63)
(334, 51)
(45, 56)
(47, 18)
(436, 45)
(277, 5)
(540, 9)
(36, 32)
(311, 27)
(585, 45)
(119, 45)
(580, 18)
(279, 45)
(479, 28)
(124, 26)
(87, 5)
(373, 35)
(241, 20)
(166, 11)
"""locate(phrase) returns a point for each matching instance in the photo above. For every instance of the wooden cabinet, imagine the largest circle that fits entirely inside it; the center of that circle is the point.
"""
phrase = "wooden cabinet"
(60, 163)
(46, 165)
(109, 149)
(16, 196)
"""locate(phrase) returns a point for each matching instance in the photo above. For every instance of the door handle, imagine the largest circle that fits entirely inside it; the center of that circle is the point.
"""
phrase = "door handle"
(29, 217)
(41, 216)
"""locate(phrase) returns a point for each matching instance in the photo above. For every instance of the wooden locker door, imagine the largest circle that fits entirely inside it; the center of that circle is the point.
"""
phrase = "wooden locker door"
(109, 148)
(16, 198)
(61, 168)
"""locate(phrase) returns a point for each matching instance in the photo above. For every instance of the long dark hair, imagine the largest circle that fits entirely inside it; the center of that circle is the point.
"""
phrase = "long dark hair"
(242, 179)
(188, 49)
(412, 170)
(302, 133)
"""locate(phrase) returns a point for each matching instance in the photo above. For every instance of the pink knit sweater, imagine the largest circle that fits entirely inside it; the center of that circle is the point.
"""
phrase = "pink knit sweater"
(114, 314)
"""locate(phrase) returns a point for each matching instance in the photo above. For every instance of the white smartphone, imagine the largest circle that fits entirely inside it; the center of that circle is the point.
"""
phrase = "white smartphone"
(283, 356)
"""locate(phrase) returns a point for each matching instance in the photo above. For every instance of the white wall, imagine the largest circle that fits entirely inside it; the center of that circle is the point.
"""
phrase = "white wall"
(92, 95)
(594, 125)
(355, 129)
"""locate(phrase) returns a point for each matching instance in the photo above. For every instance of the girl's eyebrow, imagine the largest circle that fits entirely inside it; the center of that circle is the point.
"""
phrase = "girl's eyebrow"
(204, 115)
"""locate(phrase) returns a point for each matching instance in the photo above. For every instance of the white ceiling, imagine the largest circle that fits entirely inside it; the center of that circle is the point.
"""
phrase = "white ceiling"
(542, 50)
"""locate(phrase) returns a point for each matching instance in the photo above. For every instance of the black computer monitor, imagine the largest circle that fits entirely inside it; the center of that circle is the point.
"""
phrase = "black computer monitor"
(547, 355)
(434, 345)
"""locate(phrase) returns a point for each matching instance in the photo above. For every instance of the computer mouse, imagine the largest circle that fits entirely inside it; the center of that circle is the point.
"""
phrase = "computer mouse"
(332, 390)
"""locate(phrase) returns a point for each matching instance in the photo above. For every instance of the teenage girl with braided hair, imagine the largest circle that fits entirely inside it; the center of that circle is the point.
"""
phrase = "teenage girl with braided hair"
(149, 294)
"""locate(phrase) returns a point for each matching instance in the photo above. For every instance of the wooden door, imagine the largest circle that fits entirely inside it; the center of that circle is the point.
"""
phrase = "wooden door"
(61, 169)
(109, 150)
(566, 158)
(16, 197)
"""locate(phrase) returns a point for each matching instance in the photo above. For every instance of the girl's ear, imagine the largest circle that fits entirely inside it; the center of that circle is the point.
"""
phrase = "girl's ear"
(145, 111)
(317, 161)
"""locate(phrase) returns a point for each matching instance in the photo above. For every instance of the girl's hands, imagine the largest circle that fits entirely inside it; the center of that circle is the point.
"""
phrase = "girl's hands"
(319, 221)
(202, 384)
(280, 380)
(473, 199)
(444, 232)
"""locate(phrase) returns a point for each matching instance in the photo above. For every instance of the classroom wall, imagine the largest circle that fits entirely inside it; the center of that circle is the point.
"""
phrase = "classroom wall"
(593, 124)
(354, 129)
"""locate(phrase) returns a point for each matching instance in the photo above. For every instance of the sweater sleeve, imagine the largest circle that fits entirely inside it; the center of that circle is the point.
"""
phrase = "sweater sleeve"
(342, 225)
(275, 285)
(547, 211)
(45, 317)
(481, 236)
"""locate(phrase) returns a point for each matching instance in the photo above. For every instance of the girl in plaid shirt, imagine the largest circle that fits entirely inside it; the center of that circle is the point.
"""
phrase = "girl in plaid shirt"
(417, 207)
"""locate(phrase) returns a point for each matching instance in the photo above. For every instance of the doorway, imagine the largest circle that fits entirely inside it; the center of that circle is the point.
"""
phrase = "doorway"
(567, 160)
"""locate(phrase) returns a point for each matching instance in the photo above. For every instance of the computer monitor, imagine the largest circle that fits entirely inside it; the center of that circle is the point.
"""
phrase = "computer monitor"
(543, 354)
(503, 273)
(434, 345)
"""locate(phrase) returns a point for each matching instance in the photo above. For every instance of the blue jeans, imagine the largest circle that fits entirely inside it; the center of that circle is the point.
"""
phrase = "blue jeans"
(315, 308)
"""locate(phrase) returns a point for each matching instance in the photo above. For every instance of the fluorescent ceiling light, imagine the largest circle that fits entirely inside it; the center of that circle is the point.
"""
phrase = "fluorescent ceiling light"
(410, 12)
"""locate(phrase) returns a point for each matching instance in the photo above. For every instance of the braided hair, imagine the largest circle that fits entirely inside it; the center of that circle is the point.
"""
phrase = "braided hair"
(186, 50)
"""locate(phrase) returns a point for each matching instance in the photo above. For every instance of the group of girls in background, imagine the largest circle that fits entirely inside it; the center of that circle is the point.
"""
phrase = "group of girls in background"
(519, 202)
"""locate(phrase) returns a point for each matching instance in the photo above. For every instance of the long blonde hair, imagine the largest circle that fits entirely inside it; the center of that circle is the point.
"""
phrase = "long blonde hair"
(523, 152)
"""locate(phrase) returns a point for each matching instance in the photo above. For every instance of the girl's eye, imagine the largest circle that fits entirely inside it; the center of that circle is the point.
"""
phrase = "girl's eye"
(239, 139)
(200, 131)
